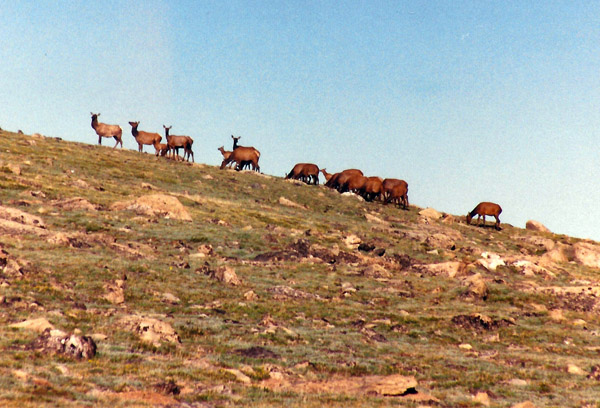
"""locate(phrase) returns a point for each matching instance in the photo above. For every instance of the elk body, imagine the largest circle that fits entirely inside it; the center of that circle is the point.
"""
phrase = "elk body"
(389, 184)
(144, 138)
(483, 209)
(174, 143)
(241, 156)
(305, 172)
(104, 130)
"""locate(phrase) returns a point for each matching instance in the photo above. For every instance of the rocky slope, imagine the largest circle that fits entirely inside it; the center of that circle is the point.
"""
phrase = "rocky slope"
(128, 279)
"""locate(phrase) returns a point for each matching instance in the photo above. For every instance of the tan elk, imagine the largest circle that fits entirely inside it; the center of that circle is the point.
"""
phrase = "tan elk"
(144, 138)
(305, 172)
(104, 130)
(175, 142)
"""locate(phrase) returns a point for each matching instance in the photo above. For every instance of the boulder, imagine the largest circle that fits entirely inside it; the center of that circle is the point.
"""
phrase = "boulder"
(226, 275)
(587, 254)
(439, 240)
(74, 345)
(430, 213)
(39, 325)
(536, 226)
(376, 271)
(151, 330)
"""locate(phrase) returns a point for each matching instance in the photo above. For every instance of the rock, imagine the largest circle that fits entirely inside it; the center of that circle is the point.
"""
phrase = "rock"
(491, 261)
(536, 226)
(595, 373)
(560, 253)
(241, 377)
(517, 382)
(75, 203)
(74, 345)
(13, 168)
(526, 404)
(430, 213)
(376, 271)
(226, 275)
(476, 286)
(170, 298)
(39, 325)
(440, 241)
(13, 214)
(556, 315)
(573, 369)
(151, 330)
(281, 292)
(587, 254)
(448, 219)
(528, 268)
(451, 269)
(352, 241)
(288, 203)
(115, 292)
(250, 295)
(482, 398)
(155, 205)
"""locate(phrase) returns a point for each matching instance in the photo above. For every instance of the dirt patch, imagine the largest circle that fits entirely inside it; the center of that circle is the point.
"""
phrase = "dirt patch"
(282, 292)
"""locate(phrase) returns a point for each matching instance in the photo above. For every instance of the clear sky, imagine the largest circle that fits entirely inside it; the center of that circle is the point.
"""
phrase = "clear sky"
(468, 101)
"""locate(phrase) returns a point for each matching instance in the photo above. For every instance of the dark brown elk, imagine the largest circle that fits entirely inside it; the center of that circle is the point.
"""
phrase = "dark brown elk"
(144, 138)
(398, 194)
(240, 156)
(305, 172)
(174, 143)
(104, 130)
(388, 185)
(483, 209)
(338, 180)
(372, 189)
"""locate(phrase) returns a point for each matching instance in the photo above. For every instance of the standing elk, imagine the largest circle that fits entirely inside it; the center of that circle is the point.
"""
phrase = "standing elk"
(144, 138)
(174, 143)
(398, 194)
(483, 209)
(305, 172)
(236, 145)
(337, 180)
(104, 130)
(372, 189)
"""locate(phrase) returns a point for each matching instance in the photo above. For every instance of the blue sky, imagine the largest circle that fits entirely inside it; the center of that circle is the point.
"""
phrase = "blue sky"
(467, 101)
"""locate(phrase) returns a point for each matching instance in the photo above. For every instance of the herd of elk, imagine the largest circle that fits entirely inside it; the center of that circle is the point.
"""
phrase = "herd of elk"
(389, 190)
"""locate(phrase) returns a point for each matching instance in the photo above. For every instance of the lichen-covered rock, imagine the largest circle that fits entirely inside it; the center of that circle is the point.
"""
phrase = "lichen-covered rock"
(536, 226)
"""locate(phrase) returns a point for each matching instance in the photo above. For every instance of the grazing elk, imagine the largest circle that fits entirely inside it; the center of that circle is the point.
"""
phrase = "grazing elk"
(174, 143)
(372, 189)
(398, 194)
(388, 185)
(104, 130)
(483, 209)
(144, 138)
(305, 172)
(338, 180)
(242, 155)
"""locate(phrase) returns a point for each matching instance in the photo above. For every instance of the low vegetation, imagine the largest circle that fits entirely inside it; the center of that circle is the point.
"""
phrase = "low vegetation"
(275, 293)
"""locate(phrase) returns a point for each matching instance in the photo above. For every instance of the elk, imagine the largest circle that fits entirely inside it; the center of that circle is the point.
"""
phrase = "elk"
(398, 194)
(338, 179)
(240, 156)
(372, 189)
(305, 172)
(235, 146)
(326, 175)
(388, 185)
(354, 184)
(144, 138)
(104, 130)
(174, 143)
(161, 148)
(226, 154)
(483, 209)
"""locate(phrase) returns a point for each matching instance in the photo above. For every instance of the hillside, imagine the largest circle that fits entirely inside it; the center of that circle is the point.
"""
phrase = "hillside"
(131, 280)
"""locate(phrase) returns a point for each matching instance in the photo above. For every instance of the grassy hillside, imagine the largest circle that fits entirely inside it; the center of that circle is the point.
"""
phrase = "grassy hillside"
(337, 301)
